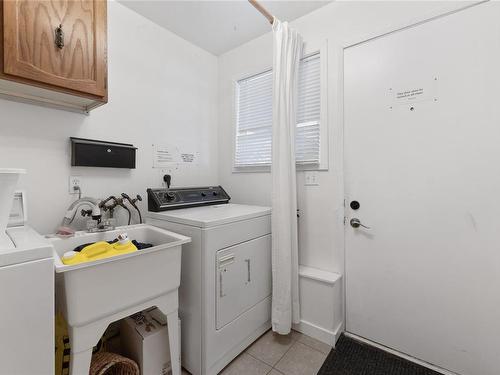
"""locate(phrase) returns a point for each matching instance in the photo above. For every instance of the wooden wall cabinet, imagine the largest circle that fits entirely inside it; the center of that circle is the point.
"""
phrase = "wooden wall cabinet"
(54, 52)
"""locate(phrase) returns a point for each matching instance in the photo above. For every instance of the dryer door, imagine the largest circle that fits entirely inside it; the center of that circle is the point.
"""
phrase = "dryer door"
(243, 278)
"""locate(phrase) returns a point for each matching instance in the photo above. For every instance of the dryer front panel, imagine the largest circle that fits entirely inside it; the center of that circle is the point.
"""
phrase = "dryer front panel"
(243, 278)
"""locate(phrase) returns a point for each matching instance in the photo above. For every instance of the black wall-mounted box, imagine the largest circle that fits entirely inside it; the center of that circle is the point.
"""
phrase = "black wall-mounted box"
(92, 153)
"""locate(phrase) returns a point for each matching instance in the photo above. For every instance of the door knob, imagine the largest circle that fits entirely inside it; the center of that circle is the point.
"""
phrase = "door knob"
(356, 223)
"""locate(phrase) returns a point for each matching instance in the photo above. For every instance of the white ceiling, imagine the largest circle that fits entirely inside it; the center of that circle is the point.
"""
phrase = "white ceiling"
(218, 26)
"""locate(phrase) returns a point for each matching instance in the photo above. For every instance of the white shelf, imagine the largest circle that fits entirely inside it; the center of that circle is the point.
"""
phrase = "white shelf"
(319, 275)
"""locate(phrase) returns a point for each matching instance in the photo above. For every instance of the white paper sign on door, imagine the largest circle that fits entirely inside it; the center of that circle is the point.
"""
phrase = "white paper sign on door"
(413, 92)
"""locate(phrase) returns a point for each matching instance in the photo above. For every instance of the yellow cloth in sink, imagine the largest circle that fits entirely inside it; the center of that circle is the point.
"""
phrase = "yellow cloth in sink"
(98, 250)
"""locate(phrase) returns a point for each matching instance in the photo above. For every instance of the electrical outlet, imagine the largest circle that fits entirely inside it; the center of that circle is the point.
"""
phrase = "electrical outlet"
(311, 178)
(75, 184)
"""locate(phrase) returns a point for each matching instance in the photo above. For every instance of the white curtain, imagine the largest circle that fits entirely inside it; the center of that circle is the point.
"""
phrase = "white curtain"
(285, 302)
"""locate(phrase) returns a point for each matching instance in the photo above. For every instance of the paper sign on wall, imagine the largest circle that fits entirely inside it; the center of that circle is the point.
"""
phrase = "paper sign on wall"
(165, 156)
(188, 157)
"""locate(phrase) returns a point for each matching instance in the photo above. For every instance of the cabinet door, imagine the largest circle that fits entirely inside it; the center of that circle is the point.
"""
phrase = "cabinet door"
(27, 323)
(30, 43)
(243, 278)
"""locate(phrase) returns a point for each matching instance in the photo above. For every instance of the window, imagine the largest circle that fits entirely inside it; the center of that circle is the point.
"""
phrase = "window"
(254, 96)
(254, 120)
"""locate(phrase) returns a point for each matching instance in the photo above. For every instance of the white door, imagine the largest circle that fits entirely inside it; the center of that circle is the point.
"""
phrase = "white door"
(422, 158)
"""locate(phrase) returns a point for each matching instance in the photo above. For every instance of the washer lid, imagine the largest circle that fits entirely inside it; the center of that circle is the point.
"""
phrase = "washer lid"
(211, 216)
(28, 246)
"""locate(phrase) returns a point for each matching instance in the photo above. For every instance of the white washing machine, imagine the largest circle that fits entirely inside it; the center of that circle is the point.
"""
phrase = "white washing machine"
(26, 288)
(225, 292)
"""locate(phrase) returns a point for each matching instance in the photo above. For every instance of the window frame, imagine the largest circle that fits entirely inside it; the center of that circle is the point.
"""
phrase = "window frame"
(324, 139)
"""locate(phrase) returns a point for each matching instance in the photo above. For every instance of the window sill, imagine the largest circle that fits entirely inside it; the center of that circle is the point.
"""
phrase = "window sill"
(267, 168)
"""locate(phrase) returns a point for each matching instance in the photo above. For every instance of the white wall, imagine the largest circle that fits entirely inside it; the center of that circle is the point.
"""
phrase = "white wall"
(321, 229)
(161, 89)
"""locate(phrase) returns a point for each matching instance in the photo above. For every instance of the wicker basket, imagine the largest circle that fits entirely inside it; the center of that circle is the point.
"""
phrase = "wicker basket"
(112, 364)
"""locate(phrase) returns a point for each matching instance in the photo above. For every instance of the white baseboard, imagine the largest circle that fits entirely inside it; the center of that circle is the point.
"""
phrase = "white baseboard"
(319, 333)
(401, 355)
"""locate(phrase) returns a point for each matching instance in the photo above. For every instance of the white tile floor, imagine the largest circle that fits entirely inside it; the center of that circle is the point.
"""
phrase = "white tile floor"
(272, 354)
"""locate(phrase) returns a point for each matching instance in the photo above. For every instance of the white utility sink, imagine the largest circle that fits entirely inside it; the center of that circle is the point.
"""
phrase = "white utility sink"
(94, 294)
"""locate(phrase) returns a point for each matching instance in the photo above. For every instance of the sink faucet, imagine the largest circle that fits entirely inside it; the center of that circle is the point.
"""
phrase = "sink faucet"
(109, 207)
(95, 211)
(112, 206)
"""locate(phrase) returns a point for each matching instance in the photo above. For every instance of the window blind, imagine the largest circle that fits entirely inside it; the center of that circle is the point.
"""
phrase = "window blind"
(307, 140)
(254, 99)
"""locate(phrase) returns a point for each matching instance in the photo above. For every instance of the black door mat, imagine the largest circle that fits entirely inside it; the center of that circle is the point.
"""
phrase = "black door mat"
(351, 357)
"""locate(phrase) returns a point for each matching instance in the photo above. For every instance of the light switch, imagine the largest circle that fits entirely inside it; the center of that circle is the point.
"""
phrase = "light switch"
(311, 178)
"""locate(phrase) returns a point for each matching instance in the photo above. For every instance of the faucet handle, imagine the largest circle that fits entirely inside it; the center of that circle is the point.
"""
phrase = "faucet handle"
(132, 201)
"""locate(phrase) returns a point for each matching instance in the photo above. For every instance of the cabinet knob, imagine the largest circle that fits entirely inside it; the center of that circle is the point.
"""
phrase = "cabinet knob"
(59, 37)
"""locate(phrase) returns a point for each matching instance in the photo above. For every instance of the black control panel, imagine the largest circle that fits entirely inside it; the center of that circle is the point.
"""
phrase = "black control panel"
(169, 199)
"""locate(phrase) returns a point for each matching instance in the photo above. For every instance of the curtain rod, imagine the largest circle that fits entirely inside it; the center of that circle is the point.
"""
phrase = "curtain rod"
(262, 10)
